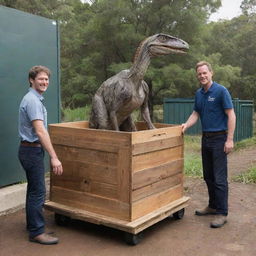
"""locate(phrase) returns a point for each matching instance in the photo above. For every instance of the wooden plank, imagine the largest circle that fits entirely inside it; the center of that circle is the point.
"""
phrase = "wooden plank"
(124, 174)
(155, 174)
(85, 215)
(156, 201)
(151, 218)
(156, 145)
(87, 156)
(156, 134)
(85, 185)
(76, 124)
(156, 187)
(79, 137)
(141, 125)
(91, 171)
(92, 203)
(156, 158)
(134, 227)
(98, 179)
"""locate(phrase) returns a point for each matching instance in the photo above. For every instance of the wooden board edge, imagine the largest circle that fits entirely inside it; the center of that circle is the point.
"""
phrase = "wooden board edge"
(133, 227)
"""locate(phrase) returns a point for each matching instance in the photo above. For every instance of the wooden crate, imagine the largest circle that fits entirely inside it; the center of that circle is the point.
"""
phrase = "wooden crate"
(119, 175)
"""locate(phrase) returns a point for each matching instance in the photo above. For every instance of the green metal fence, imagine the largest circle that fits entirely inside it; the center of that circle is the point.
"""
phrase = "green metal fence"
(177, 111)
(25, 40)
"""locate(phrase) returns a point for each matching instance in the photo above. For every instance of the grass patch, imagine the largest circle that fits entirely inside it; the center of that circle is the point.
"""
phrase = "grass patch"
(193, 166)
(78, 114)
(192, 144)
(245, 143)
(247, 177)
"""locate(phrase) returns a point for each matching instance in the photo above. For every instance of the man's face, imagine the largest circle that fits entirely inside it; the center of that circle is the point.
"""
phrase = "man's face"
(40, 83)
(204, 75)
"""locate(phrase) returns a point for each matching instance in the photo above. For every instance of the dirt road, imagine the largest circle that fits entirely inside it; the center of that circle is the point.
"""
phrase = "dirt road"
(190, 236)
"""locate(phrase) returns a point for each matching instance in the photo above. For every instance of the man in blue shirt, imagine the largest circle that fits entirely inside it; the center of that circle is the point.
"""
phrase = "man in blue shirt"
(34, 139)
(214, 106)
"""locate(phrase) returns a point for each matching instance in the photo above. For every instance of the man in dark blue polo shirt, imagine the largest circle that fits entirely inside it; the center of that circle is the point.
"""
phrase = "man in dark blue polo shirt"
(214, 106)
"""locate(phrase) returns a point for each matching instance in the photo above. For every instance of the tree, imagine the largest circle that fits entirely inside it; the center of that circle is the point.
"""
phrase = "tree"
(248, 7)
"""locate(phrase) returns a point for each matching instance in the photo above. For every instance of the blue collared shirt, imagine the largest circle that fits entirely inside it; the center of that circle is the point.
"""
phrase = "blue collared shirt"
(211, 106)
(31, 108)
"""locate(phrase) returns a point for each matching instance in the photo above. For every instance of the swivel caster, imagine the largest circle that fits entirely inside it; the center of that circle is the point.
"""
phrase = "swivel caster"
(179, 214)
(62, 220)
(133, 239)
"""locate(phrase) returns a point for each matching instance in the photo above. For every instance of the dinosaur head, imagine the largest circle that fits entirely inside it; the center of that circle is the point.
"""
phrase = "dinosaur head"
(162, 44)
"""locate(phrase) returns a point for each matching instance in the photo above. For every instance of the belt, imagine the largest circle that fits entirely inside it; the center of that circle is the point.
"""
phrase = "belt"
(30, 144)
(211, 134)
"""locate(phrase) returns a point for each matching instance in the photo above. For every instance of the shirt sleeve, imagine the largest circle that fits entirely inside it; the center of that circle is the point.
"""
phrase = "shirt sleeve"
(226, 99)
(196, 105)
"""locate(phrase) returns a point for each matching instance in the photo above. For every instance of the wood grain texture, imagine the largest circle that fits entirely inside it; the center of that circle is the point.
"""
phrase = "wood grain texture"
(122, 175)
(156, 201)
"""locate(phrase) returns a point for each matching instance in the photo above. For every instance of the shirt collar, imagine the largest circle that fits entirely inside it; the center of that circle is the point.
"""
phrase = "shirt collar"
(40, 97)
(210, 89)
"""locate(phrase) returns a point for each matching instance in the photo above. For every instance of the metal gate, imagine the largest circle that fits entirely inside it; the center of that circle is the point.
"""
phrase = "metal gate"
(177, 111)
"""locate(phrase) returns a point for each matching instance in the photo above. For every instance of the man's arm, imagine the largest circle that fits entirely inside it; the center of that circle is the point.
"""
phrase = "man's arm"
(45, 140)
(229, 145)
(191, 121)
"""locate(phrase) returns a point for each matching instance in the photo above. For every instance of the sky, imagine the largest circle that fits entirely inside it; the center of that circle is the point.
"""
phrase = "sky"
(228, 10)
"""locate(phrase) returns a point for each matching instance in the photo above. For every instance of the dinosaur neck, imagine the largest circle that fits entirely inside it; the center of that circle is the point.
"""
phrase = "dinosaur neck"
(140, 66)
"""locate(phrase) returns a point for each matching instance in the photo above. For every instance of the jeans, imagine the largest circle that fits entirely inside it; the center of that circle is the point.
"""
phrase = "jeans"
(32, 160)
(215, 172)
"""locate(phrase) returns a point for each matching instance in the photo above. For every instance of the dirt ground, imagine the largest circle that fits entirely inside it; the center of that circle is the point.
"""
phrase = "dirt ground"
(190, 236)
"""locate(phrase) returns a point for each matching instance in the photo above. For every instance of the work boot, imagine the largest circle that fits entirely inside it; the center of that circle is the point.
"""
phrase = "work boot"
(219, 221)
(44, 239)
(206, 211)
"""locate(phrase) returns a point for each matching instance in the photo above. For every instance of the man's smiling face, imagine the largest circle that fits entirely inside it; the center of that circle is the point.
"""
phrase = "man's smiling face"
(204, 76)
(40, 83)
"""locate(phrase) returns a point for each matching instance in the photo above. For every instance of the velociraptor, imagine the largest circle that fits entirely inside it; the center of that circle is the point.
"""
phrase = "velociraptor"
(126, 91)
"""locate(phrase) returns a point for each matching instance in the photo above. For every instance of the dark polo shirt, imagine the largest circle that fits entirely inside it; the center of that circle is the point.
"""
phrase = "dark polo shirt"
(211, 106)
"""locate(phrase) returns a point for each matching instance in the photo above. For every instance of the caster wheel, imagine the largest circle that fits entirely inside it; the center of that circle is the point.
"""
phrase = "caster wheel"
(133, 239)
(61, 220)
(179, 214)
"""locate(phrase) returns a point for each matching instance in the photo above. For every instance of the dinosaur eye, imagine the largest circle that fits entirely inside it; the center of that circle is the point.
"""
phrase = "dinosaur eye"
(162, 38)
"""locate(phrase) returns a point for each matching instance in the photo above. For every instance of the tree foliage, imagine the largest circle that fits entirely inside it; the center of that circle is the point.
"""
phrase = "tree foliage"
(99, 38)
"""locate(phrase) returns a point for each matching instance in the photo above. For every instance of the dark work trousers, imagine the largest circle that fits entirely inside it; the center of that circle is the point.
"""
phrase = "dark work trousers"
(32, 160)
(215, 171)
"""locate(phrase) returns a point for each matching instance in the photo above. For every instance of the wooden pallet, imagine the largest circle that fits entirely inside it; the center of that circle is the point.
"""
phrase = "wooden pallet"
(133, 227)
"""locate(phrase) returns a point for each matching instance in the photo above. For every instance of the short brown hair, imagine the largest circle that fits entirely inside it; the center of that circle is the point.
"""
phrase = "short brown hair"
(35, 70)
(202, 63)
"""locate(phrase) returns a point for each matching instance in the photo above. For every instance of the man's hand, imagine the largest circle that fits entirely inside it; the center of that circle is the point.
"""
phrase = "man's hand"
(229, 145)
(56, 166)
(184, 127)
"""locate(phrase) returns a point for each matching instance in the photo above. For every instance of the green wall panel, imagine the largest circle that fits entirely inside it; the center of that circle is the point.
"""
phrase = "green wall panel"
(25, 40)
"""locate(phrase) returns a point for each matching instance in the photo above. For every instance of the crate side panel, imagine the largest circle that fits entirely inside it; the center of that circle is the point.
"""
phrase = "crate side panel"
(154, 174)
(156, 145)
(88, 171)
(156, 201)
(88, 202)
(156, 134)
(156, 158)
(89, 138)
(143, 126)
(157, 187)
(84, 155)
(84, 177)
(124, 174)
